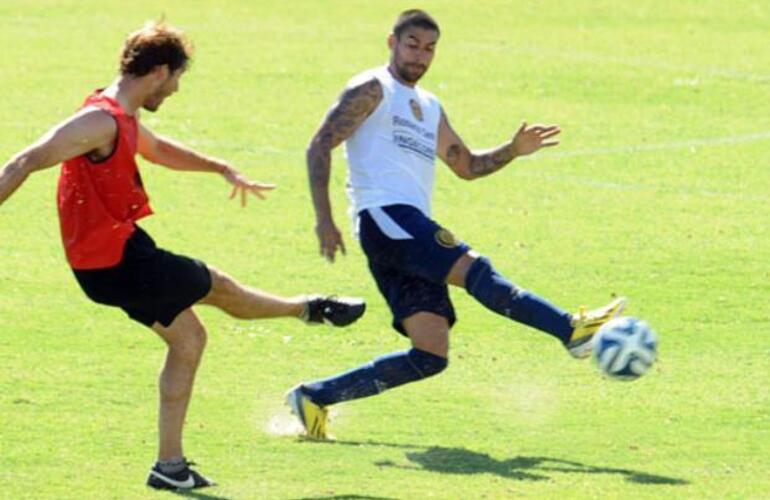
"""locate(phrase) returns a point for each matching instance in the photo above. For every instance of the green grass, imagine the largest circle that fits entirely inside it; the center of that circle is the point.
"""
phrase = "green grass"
(640, 199)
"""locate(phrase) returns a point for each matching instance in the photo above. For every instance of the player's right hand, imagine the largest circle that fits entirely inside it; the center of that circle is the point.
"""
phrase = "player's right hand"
(330, 239)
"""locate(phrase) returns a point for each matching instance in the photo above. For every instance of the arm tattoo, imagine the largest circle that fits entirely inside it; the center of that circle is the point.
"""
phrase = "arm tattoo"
(453, 155)
(319, 160)
(491, 161)
(353, 107)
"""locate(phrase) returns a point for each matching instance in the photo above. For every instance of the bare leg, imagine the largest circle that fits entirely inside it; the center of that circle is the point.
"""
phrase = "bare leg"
(186, 339)
(428, 332)
(460, 269)
(249, 303)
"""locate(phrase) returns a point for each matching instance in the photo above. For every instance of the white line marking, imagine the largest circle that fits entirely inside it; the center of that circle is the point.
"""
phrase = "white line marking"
(662, 189)
(702, 73)
(628, 149)
(644, 148)
(585, 181)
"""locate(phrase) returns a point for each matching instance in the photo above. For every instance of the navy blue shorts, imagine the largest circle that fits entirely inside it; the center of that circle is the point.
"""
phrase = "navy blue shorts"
(410, 257)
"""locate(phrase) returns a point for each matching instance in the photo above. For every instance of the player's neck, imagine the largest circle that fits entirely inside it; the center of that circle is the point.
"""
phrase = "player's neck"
(128, 92)
(395, 75)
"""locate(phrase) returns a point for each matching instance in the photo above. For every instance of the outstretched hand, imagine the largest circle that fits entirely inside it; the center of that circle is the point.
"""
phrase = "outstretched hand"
(529, 139)
(244, 186)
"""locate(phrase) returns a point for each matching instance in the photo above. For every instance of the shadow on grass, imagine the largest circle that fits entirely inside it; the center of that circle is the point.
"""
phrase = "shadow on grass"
(347, 497)
(461, 461)
(204, 496)
(198, 494)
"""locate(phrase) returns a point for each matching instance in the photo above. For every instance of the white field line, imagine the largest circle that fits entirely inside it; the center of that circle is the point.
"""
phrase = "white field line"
(584, 181)
(701, 72)
(559, 155)
(662, 146)
(646, 148)
(542, 155)
(625, 186)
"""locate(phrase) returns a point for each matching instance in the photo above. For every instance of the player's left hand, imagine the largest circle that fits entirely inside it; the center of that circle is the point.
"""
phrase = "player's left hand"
(529, 139)
(244, 186)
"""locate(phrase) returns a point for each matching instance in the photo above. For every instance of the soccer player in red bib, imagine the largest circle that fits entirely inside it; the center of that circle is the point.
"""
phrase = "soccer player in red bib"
(101, 198)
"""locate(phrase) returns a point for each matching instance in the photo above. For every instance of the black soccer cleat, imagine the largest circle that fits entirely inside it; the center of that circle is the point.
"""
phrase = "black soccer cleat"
(333, 310)
(185, 479)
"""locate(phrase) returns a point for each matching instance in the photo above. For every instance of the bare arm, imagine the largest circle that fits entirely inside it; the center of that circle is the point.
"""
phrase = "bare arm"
(88, 130)
(343, 119)
(471, 165)
(169, 153)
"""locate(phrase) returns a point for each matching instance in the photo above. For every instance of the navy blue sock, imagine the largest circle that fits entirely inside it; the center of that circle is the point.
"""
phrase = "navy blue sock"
(501, 296)
(383, 373)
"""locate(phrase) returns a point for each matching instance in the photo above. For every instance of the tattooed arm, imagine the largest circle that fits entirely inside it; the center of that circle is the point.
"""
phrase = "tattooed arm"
(471, 165)
(343, 119)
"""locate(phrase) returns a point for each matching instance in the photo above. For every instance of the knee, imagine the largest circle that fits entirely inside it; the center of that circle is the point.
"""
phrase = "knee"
(198, 338)
(227, 294)
(190, 346)
(429, 333)
(222, 284)
(426, 363)
(488, 286)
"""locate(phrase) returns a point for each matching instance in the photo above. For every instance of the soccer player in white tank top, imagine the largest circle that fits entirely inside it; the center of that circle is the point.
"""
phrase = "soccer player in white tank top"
(393, 131)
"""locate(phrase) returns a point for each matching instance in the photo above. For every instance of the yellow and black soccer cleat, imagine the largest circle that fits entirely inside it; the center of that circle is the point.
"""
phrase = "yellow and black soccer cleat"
(587, 323)
(314, 418)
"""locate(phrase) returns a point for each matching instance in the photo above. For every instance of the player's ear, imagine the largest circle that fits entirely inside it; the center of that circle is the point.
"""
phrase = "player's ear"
(391, 41)
(161, 72)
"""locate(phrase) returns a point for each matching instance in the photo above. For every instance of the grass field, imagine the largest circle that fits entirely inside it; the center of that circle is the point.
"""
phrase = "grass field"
(660, 191)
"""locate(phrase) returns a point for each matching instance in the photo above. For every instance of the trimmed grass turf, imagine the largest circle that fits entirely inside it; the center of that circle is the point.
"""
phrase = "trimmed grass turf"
(679, 228)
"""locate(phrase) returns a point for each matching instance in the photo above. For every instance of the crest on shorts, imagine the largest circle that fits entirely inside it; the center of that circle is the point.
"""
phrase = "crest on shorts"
(416, 109)
(446, 239)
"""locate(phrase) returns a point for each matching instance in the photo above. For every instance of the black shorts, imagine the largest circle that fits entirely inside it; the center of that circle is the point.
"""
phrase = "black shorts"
(150, 284)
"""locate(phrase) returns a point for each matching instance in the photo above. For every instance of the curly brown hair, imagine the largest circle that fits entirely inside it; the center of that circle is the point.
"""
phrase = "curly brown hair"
(155, 44)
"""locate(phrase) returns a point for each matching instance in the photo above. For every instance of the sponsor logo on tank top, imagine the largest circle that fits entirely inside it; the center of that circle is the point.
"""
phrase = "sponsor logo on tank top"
(413, 137)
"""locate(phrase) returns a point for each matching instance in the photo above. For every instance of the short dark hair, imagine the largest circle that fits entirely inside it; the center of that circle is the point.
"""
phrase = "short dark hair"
(414, 18)
(154, 45)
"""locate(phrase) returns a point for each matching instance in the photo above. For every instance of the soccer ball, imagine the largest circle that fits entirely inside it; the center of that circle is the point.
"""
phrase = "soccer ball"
(625, 348)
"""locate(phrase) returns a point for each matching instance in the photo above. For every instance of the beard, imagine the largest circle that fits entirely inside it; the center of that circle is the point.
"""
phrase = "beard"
(411, 72)
(154, 101)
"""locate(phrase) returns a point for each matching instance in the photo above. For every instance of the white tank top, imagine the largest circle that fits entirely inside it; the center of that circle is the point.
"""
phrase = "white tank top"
(391, 155)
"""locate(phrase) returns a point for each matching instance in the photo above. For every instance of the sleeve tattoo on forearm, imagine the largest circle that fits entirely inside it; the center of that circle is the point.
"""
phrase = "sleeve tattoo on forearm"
(453, 155)
(490, 162)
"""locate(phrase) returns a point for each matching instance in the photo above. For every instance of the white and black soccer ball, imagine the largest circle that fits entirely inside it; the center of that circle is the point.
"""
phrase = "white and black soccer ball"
(625, 348)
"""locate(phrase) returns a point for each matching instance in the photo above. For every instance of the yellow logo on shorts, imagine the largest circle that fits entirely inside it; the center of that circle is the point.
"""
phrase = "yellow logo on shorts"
(446, 238)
